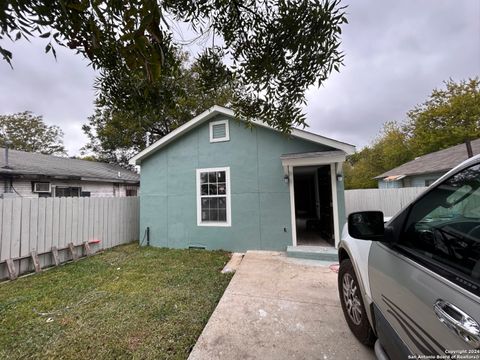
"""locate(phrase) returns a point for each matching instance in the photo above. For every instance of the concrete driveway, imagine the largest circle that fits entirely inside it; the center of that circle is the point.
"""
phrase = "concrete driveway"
(279, 308)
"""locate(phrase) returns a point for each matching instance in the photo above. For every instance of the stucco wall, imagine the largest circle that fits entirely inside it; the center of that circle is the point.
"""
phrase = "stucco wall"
(260, 200)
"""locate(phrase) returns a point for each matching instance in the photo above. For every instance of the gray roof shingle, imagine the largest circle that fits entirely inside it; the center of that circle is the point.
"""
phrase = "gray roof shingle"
(438, 161)
(29, 163)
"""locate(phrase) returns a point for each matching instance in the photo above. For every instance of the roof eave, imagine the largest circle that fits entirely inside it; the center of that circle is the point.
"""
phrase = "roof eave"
(26, 174)
(216, 110)
(380, 177)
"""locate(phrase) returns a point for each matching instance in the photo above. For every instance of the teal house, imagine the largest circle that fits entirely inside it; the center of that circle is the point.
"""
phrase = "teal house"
(213, 183)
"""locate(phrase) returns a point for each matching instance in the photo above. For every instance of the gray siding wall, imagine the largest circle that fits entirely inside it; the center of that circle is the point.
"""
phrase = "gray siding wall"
(419, 180)
(409, 181)
(96, 188)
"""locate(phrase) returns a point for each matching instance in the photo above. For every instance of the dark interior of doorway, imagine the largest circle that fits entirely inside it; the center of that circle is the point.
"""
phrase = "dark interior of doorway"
(313, 205)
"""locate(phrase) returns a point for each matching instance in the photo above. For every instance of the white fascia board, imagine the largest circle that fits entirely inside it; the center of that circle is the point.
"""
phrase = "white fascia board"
(319, 139)
(347, 148)
(337, 157)
(214, 110)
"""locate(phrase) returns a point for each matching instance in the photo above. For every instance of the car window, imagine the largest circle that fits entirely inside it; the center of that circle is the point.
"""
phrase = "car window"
(443, 228)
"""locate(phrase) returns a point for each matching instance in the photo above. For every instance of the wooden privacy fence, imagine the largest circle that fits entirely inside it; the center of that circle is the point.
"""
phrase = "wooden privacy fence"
(39, 232)
(390, 201)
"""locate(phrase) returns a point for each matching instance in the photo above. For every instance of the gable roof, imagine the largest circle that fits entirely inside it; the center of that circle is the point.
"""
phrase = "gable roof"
(435, 162)
(220, 110)
(35, 164)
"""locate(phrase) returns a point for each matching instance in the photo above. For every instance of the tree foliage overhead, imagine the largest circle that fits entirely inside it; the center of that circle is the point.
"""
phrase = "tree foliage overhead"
(448, 117)
(28, 132)
(130, 111)
(277, 49)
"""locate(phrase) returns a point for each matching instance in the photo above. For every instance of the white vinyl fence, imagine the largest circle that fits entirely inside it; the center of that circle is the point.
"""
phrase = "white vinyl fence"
(390, 201)
(45, 231)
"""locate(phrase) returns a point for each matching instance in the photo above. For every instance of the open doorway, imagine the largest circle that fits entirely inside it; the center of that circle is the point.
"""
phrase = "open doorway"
(313, 205)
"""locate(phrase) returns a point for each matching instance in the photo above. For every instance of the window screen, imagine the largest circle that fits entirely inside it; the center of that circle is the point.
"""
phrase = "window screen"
(67, 191)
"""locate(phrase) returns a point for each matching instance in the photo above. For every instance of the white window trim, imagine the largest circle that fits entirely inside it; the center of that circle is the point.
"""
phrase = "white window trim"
(199, 199)
(42, 182)
(227, 131)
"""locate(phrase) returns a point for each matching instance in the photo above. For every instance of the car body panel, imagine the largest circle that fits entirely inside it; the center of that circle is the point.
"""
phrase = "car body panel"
(405, 293)
(358, 250)
(401, 292)
(390, 342)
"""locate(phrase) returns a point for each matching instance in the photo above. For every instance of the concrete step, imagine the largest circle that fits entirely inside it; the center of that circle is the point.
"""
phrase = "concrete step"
(325, 253)
(234, 263)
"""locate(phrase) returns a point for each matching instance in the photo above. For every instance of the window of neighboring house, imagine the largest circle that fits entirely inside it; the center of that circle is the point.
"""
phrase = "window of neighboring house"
(131, 192)
(429, 182)
(213, 197)
(41, 187)
(85, 194)
(67, 191)
(219, 131)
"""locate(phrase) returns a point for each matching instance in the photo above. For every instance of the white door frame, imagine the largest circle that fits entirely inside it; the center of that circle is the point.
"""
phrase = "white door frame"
(317, 196)
(336, 227)
(292, 204)
(335, 167)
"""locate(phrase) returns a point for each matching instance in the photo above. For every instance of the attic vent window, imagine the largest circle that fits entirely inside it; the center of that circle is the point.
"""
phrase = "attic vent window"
(219, 131)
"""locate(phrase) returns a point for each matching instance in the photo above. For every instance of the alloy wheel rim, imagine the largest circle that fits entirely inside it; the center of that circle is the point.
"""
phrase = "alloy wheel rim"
(351, 300)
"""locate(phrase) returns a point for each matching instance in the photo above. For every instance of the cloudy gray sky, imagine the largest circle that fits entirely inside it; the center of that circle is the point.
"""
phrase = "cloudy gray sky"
(396, 52)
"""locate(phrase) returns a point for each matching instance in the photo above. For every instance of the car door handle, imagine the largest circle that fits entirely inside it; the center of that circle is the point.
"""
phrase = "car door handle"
(462, 324)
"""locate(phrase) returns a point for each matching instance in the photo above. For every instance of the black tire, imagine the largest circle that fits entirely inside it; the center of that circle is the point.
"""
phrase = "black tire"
(352, 304)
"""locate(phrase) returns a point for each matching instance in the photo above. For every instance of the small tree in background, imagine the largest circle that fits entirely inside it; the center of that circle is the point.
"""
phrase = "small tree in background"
(448, 117)
(28, 132)
(127, 108)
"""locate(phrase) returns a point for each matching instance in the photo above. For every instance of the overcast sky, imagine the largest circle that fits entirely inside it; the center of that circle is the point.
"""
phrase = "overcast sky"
(396, 52)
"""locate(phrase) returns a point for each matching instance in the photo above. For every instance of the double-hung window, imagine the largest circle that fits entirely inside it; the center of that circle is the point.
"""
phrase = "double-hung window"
(213, 197)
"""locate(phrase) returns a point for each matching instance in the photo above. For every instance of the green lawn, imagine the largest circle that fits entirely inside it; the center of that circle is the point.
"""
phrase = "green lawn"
(126, 303)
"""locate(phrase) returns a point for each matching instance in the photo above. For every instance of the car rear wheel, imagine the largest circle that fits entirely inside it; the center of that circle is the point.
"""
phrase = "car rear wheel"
(352, 304)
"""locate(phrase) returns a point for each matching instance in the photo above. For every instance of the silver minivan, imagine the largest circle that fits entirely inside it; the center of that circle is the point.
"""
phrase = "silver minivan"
(419, 292)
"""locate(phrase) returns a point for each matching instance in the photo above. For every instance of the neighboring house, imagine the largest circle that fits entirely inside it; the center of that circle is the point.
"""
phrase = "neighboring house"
(214, 183)
(426, 169)
(36, 175)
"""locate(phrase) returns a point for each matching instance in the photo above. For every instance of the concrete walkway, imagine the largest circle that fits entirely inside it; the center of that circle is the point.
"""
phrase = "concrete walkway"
(279, 308)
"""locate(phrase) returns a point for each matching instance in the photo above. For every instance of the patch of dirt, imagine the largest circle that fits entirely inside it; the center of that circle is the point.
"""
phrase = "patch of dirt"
(135, 341)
